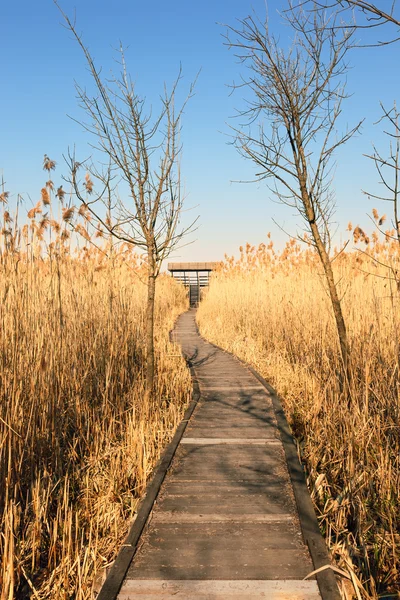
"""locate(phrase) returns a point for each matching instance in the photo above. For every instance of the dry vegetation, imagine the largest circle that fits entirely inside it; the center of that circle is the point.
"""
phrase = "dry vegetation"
(272, 310)
(77, 439)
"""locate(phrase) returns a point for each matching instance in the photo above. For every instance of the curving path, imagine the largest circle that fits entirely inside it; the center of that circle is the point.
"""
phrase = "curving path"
(225, 524)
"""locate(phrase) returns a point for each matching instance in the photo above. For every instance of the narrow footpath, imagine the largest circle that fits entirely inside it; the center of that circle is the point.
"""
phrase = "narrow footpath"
(225, 524)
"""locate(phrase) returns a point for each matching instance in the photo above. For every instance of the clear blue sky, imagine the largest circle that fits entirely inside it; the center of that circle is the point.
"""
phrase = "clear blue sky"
(40, 61)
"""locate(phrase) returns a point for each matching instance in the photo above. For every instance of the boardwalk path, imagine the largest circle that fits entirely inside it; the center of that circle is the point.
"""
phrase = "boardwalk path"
(225, 525)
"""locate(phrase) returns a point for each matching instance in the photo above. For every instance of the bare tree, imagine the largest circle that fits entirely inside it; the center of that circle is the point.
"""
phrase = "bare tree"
(142, 156)
(296, 101)
(388, 167)
(363, 15)
(375, 13)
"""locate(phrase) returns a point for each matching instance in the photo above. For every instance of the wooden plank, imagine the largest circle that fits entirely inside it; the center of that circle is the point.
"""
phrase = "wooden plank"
(236, 419)
(230, 562)
(231, 386)
(228, 500)
(219, 590)
(240, 431)
(244, 402)
(188, 517)
(253, 489)
(163, 537)
(203, 441)
(231, 462)
(232, 375)
(232, 507)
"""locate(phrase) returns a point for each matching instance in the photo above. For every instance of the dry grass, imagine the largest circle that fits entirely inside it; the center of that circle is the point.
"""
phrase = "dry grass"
(78, 441)
(272, 310)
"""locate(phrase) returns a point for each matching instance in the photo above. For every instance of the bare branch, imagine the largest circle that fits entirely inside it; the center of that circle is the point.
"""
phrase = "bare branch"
(388, 168)
(362, 15)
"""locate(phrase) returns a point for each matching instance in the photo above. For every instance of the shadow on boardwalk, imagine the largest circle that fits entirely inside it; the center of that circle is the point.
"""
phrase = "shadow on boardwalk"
(226, 523)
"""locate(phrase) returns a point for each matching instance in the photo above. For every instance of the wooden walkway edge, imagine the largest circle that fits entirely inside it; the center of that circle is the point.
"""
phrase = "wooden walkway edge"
(227, 514)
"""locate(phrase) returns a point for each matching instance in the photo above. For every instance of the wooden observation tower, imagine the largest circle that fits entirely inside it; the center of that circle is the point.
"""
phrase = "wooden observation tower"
(194, 276)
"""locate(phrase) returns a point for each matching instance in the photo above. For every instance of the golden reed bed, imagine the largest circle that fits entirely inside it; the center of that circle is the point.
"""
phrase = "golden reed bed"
(78, 440)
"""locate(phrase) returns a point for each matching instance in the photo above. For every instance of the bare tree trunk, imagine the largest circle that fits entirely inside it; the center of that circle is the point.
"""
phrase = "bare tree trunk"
(333, 293)
(325, 260)
(151, 295)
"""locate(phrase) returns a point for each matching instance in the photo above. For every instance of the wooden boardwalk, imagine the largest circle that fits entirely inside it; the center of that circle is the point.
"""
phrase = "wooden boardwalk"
(226, 524)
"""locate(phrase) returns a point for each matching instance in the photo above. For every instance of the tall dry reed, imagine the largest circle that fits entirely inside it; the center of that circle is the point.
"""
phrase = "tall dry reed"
(78, 440)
